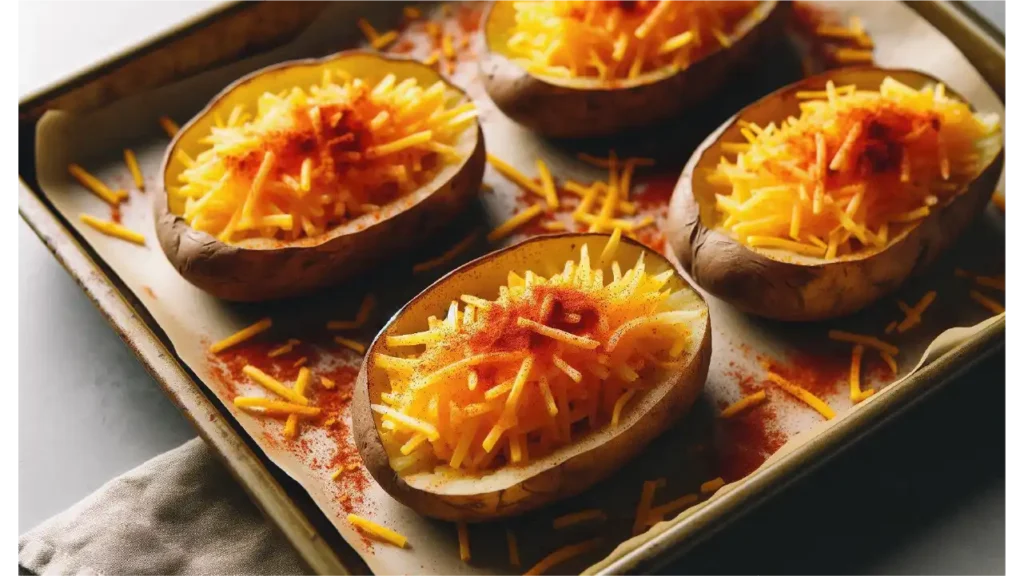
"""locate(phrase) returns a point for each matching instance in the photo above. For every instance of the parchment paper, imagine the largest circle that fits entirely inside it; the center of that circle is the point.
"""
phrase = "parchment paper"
(698, 449)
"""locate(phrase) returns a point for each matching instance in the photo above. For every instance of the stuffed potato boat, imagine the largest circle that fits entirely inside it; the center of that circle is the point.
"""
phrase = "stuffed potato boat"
(566, 356)
(578, 69)
(828, 194)
(301, 174)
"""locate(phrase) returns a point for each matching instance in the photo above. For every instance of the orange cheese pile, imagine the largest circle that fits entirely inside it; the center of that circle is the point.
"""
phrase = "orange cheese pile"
(852, 171)
(308, 160)
(619, 40)
(506, 380)
(382, 533)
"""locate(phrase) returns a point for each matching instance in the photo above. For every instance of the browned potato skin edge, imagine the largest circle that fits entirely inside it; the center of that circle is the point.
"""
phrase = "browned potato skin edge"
(245, 274)
(571, 477)
(561, 112)
(778, 290)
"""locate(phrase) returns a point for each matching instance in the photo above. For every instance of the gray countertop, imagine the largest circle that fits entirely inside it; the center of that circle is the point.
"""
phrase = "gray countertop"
(925, 494)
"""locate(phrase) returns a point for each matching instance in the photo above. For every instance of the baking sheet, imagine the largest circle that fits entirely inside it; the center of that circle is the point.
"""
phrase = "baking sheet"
(701, 448)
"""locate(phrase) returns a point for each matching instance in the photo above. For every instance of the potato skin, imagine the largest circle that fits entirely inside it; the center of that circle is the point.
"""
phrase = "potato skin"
(779, 290)
(242, 273)
(572, 476)
(563, 112)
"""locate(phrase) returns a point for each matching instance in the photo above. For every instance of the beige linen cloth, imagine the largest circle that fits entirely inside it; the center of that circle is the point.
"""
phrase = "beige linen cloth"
(179, 513)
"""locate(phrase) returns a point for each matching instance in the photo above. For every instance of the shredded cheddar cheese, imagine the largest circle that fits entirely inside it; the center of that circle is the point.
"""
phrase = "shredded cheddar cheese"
(864, 395)
(96, 186)
(803, 395)
(509, 226)
(855, 31)
(463, 531)
(743, 404)
(995, 282)
(844, 55)
(991, 282)
(384, 39)
(362, 315)
(856, 394)
(987, 302)
(619, 40)
(659, 513)
(620, 403)
(615, 190)
(351, 344)
(133, 168)
(643, 508)
(890, 361)
(368, 30)
(113, 229)
(268, 406)
(857, 25)
(712, 486)
(376, 530)
(574, 518)
(448, 255)
(301, 162)
(1000, 201)
(498, 382)
(509, 171)
(591, 194)
(513, 547)
(913, 314)
(284, 348)
(291, 426)
(242, 335)
(606, 162)
(273, 385)
(562, 555)
(547, 184)
(869, 341)
(169, 126)
(853, 171)
(447, 48)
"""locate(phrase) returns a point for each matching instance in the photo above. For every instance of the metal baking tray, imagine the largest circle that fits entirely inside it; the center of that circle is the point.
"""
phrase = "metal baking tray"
(239, 30)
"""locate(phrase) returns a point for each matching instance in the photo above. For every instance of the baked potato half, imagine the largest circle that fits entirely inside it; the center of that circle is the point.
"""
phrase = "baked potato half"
(575, 107)
(251, 269)
(664, 392)
(780, 284)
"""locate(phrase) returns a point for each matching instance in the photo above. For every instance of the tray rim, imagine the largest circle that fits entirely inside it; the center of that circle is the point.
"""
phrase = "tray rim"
(251, 469)
(767, 482)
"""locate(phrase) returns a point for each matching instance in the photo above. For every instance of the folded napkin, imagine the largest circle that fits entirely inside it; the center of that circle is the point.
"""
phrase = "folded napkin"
(179, 513)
